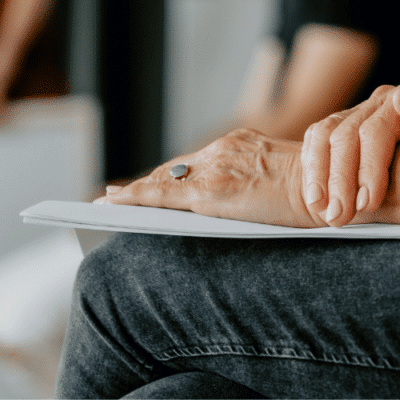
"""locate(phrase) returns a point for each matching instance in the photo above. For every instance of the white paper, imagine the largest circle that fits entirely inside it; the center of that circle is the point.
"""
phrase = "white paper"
(104, 217)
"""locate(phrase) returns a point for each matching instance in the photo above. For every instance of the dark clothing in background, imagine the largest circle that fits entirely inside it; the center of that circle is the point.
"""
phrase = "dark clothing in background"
(44, 67)
(131, 75)
(376, 18)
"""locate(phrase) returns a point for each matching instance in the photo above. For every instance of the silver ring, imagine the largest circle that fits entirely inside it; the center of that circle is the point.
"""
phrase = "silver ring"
(179, 171)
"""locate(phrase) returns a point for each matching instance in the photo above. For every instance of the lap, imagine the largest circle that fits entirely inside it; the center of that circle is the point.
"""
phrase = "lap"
(280, 316)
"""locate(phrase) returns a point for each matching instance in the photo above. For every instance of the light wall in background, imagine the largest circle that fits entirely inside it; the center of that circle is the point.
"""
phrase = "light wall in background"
(209, 44)
(52, 150)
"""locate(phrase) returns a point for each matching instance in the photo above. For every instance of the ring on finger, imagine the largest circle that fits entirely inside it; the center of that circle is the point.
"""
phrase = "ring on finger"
(179, 171)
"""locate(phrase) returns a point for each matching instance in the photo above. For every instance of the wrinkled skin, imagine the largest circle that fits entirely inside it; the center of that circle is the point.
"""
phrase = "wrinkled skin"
(243, 175)
(346, 157)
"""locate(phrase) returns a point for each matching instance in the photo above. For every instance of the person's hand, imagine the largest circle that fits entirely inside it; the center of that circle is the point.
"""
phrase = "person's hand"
(347, 156)
(247, 176)
(243, 175)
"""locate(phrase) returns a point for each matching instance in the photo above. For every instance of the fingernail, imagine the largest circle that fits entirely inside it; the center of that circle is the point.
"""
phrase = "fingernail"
(362, 198)
(334, 210)
(314, 193)
(102, 200)
(113, 189)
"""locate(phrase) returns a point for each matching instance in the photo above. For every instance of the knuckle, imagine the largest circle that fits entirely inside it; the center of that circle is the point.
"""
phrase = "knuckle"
(336, 179)
(372, 125)
(345, 135)
(221, 144)
(325, 127)
(234, 133)
(309, 132)
(239, 132)
(380, 93)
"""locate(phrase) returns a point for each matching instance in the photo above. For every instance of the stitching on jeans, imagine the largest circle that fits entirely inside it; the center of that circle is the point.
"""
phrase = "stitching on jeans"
(284, 353)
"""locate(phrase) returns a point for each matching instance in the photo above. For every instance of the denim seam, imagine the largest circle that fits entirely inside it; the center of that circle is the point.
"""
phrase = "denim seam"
(274, 352)
(114, 347)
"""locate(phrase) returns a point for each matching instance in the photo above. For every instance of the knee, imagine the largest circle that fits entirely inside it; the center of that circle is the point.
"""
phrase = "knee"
(106, 265)
(136, 263)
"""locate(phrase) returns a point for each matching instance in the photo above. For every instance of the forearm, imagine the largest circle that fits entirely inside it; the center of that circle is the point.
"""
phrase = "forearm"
(20, 23)
(327, 67)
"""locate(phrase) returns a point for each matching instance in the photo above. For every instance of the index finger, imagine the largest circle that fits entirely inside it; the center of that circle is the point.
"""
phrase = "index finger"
(163, 193)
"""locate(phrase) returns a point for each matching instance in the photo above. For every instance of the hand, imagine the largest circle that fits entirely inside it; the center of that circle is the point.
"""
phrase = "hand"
(347, 156)
(243, 175)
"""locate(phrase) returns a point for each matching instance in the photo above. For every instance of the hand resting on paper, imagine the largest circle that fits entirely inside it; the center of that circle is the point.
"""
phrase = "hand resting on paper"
(346, 157)
(243, 175)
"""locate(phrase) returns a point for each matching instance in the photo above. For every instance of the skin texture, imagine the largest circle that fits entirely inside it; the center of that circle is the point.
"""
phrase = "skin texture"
(247, 176)
(244, 175)
(320, 80)
(346, 157)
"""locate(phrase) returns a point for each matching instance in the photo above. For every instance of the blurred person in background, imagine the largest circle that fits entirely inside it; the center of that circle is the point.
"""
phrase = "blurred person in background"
(32, 51)
(33, 64)
(332, 55)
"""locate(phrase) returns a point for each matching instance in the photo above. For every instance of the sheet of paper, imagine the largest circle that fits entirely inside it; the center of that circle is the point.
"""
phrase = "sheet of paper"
(103, 217)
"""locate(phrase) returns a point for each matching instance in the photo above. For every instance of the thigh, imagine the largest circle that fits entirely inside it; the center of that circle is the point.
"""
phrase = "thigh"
(299, 307)
(288, 318)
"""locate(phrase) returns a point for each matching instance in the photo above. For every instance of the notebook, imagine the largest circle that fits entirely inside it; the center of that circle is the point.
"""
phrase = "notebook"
(105, 219)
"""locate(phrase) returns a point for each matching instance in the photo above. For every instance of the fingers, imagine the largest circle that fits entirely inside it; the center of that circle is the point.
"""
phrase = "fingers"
(396, 99)
(378, 137)
(109, 189)
(343, 172)
(165, 193)
(316, 160)
(346, 157)
(102, 200)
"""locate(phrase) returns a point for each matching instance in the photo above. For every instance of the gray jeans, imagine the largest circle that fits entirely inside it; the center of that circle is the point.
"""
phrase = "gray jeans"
(289, 318)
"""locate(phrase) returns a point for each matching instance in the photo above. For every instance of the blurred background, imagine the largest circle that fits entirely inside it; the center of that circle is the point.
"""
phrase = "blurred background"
(94, 92)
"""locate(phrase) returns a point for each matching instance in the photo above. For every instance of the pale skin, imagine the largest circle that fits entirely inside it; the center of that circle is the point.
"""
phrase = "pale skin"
(245, 176)
(346, 157)
(339, 175)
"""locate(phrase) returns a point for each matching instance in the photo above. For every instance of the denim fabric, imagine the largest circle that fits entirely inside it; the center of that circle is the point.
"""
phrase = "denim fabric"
(193, 385)
(292, 318)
